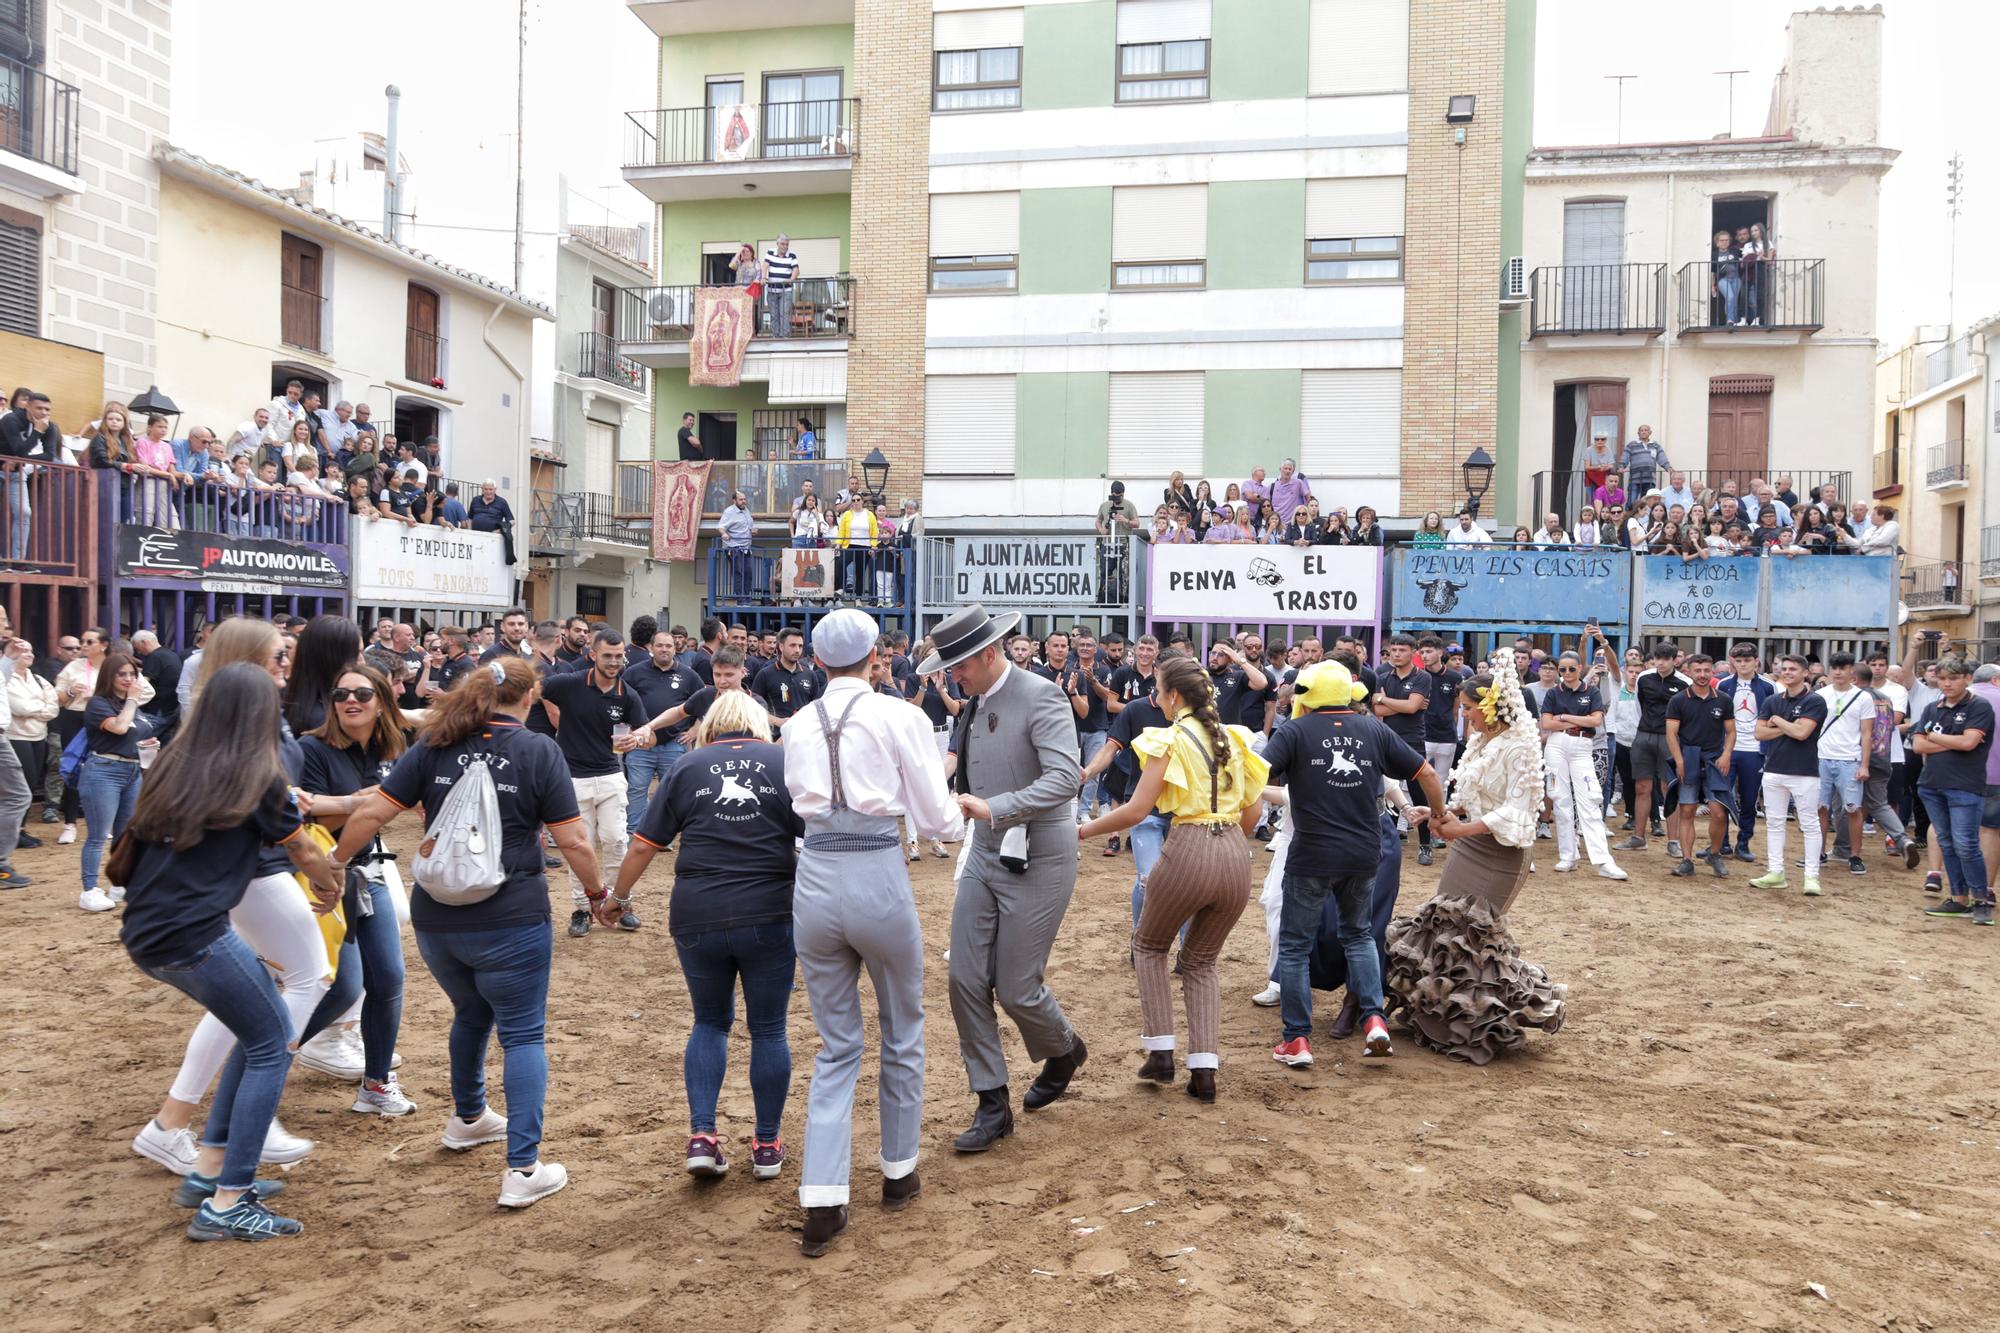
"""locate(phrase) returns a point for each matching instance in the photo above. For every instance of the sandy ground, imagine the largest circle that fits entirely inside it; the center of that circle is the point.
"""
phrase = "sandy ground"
(1755, 1093)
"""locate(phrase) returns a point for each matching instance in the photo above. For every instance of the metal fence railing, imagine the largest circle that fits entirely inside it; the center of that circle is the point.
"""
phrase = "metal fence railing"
(39, 115)
(1939, 584)
(1566, 492)
(1780, 294)
(1598, 298)
(732, 135)
(597, 358)
(1946, 465)
(820, 308)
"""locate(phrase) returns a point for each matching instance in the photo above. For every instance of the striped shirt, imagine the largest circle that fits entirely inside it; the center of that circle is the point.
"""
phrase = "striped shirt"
(780, 270)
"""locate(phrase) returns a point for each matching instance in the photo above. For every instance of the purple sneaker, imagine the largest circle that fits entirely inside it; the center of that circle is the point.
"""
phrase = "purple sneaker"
(705, 1157)
(766, 1159)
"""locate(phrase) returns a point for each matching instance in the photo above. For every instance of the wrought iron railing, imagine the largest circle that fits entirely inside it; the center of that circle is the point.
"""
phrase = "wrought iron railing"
(820, 308)
(1946, 465)
(732, 135)
(1989, 553)
(597, 358)
(39, 115)
(772, 574)
(1598, 298)
(560, 520)
(1933, 585)
(1566, 491)
(1780, 294)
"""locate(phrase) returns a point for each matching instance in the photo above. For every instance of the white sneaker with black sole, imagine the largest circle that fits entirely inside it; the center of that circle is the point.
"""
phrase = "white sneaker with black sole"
(519, 1189)
(459, 1135)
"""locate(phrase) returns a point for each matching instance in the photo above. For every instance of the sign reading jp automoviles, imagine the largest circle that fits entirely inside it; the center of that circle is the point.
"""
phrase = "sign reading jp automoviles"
(220, 561)
(1312, 585)
(397, 565)
(1002, 570)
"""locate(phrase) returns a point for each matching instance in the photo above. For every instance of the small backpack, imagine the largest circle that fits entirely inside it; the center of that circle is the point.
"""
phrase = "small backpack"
(73, 755)
(458, 862)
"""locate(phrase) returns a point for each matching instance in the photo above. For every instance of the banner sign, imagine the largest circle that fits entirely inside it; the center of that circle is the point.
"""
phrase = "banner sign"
(1717, 594)
(1312, 585)
(1509, 587)
(222, 562)
(1853, 592)
(677, 491)
(807, 574)
(1061, 571)
(395, 565)
(734, 139)
(724, 320)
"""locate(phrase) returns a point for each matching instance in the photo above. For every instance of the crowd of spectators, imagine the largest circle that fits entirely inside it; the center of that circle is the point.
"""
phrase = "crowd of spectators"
(1260, 511)
(1689, 517)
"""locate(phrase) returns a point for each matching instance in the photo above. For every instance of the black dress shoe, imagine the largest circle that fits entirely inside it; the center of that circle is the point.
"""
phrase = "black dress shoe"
(992, 1122)
(822, 1225)
(1201, 1085)
(1056, 1073)
(1158, 1067)
(1347, 1020)
(899, 1193)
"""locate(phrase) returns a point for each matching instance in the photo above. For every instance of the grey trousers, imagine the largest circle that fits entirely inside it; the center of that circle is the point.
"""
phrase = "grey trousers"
(852, 910)
(1002, 928)
(1875, 802)
(14, 798)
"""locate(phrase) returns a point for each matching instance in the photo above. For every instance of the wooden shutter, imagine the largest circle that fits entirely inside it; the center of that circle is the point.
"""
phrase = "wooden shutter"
(976, 224)
(21, 282)
(1161, 21)
(1157, 423)
(969, 425)
(1351, 421)
(1159, 222)
(1343, 207)
(976, 30)
(1359, 46)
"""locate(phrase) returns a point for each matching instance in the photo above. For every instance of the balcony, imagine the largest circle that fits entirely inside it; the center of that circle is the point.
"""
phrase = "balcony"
(1935, 589)
(770, 485)
(1989, 556)
(1597, 305)
(39, 118)
(598, 358)
(654, 324)
(561, 522)
(630, 244)
(55, 539)
(423, 355)
(775, 574)
(1790, 302)
(778, 148)
(1566, 491)
(1888, 474)
(1940, 367)
(1946, 467)
(679, 18)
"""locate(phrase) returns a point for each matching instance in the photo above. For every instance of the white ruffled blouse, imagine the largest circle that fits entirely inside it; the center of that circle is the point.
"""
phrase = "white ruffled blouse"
(1500, 781)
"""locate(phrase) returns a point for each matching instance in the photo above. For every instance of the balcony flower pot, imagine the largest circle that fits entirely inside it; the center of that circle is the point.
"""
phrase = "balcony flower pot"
(437, 381)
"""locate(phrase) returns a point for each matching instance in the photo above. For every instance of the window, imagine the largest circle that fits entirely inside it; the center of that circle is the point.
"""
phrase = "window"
(1355, 259)
(20, 278)
(592, 601)
(969, 425)
(802, 113)
(1159, 236)
(423, 349)
(982, 80)
(1358, 46)
(975, 242)
(1163, 50)
(301, 296)
(1157, 423)
(1354, 229)
(1350, 423)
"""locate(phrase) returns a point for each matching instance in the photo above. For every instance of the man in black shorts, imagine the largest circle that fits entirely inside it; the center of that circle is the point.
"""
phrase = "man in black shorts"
(1652, 758)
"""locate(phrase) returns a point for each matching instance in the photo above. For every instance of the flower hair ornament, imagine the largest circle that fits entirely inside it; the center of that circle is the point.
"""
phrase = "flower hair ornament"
(1502, 703)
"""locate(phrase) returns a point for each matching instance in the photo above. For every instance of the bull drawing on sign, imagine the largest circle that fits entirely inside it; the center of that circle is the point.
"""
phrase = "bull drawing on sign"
(1440, 595)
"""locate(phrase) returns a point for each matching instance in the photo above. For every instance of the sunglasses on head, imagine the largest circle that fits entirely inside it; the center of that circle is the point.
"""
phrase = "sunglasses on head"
(364, 694)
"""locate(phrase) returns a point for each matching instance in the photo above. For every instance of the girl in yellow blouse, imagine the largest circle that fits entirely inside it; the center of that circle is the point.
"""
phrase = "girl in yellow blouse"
(1207, 777)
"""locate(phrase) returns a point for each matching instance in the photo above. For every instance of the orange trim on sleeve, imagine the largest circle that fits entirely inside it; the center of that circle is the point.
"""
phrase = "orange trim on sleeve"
(392, 800)
(290, 837)
(656, 846)
(573, 819)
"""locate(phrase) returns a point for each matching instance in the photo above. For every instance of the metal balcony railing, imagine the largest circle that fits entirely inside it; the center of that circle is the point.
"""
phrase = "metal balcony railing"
(1989, 554)
(1567, 491)
(39, 115)
(773, 574)
(54, 534)
(559, 521)
(1780, 294)
(1946, 465)
(597, 358)
(1598, 298)
(629, 243)
(1934, 585)
(733, 135)
(1948, 362)
(206, 505)
(1888, 471)
(821, 308)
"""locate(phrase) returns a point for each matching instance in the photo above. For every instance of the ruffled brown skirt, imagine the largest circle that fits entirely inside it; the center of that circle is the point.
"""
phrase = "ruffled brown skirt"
(1456, 978)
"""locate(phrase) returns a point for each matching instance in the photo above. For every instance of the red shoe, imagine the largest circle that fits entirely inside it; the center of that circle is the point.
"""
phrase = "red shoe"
(1295, 1053)
(1375, 1037)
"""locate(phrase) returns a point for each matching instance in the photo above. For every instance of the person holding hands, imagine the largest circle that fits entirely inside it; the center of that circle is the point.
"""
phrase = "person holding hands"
(1700, 741)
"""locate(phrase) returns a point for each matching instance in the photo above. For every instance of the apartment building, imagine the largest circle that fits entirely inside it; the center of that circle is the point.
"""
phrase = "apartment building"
(1630, 323)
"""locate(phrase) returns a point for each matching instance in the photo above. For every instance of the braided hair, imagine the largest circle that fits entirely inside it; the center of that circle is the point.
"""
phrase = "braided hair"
(1196, 690)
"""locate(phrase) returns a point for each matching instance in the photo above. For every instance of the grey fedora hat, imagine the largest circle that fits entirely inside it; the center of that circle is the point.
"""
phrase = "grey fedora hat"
(964, 634)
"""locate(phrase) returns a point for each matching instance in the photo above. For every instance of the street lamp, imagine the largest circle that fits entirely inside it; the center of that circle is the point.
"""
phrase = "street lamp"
(875, 475)
(1478, 469)
(153, 403)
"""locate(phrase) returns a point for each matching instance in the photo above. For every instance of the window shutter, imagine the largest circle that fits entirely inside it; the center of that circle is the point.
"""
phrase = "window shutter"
(976, 224)
(969, 424)
(1594, 232)
(1344, 206)
(976, 30)
(1157, 424)
(818, 258)
(1352, 424)
(1359, 46)
(21, 280)
(1161, 21)
(1157, 222)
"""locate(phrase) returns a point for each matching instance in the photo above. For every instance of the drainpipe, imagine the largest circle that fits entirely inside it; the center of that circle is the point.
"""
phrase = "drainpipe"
(1667, 344)
(521, 381)
(391, 177)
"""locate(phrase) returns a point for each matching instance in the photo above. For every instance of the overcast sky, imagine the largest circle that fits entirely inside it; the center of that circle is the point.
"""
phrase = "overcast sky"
(590, 61)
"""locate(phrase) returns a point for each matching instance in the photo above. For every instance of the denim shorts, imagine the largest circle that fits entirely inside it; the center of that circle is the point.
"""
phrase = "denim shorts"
(1705, 779)
(1840, 775)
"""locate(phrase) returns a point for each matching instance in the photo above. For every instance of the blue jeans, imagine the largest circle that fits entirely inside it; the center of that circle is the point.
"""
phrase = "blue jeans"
(641, 767)
(1746, 774)
(1148, 836)
(371, 956)
(779, 300)
(1298, 929)
(1731, 291)
(227, 980)
(108, 788)
(1955, 818)
(712, 961)
(497, 978)
(18, 516)
(1096, 789)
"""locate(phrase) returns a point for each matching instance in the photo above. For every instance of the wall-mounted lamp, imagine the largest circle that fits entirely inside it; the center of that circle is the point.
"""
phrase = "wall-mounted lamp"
(1458, 111)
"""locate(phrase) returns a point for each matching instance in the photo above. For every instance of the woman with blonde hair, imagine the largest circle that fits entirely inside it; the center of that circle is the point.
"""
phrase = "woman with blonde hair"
(1431, 531)
(1206, 775)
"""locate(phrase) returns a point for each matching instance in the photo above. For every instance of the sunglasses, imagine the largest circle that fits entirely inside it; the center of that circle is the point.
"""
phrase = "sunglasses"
(363, 695)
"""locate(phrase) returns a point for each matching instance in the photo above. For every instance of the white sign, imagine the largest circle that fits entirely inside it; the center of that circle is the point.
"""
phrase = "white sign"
(397, 565)
(1311, 585)
(1007, 569)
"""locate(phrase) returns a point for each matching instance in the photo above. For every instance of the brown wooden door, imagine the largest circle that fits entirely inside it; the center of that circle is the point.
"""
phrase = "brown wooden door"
(1739, 428)
(299, 277)
(420, 356)
(603, 301)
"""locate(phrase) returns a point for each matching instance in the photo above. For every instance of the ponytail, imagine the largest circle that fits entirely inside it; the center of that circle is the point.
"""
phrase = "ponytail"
(462, 710)
(1196, 691)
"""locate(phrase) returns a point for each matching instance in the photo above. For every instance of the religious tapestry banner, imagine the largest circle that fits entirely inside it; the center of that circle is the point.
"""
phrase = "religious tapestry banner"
(724, 319)
(677, 491)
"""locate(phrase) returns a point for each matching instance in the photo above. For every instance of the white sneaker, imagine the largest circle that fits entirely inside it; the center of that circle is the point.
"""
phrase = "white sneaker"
(95, 900)
(335, 1051)
(1266, 998)
(1611, 870)
(116, 894)
(937, 850)
(915, 856)
(384, 1099)
(491, 1127)
(282, 1147)
(1564, 867)
(519, 1190)
(67, 836)
(175, 1149)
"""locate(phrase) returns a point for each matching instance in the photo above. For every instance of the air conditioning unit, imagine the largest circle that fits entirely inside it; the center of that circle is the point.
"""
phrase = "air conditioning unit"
(1514, 281)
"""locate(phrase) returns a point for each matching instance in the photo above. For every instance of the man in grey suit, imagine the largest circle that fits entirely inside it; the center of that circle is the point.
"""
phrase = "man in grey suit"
(1017, 776)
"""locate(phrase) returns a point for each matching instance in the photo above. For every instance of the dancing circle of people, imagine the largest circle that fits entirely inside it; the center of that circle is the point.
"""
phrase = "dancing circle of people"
(255, 880)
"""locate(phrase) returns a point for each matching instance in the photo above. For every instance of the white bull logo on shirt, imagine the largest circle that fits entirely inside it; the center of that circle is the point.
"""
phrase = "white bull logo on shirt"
(734, 792)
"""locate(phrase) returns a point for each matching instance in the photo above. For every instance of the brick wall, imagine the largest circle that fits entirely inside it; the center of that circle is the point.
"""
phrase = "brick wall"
(1452, 248)
(102, 249)
(889, 249)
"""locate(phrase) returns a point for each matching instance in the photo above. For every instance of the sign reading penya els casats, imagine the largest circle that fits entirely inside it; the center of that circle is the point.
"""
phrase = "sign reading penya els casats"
(1482, 585)
(1312, 585)
(1002, 570)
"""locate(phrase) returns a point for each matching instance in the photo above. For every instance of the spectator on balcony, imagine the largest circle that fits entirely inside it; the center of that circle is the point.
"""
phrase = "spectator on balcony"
(406, 502)
(1610, 492)
(691, 450)
(1430, 532)
(451, 510)
(155, 477)
(1782, 485)
(1333, 529)
(748, 270)
(489, 510)
(1725, 283)
(295, 444)
(337, 431)
(1840, 535)
(736, 527)
(407, 463)
(1273, 533)
(249, 434)
(888, 561)
(909, 527)
(1599, 458)
(26, 432)
(111, 445)
(810, 528)
(844, 498)
(781, 274)
(286, 409)
(359, 502)
(1367, 529)
(805, 441)
(305, 479)
(1811, 533)
(1677, 492)
(1643, 461)
(1882, 538)
(1305, 530)
(364, 422)
(1467, 532)
(1523, 537)
(1177, 530)
(1588, 533)
(1766, 530)
(1202, 511)
(1290, 490)
(1761, 498)
(1231, 528)
(1178, 492)
(1256, 493)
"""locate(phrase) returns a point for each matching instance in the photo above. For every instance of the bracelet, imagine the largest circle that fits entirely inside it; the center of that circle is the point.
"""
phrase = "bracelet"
(626, 901)
(599, 896)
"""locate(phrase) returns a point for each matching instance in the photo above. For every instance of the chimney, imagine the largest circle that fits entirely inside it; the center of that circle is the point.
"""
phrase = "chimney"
(1830, 89)
(392, 176)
